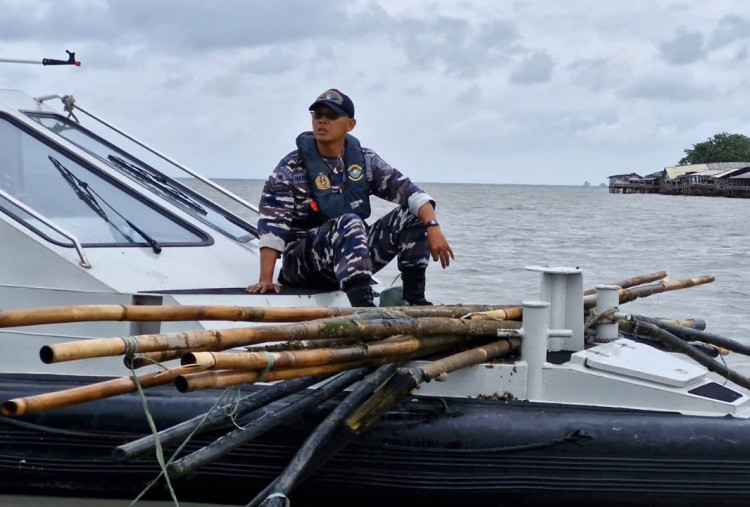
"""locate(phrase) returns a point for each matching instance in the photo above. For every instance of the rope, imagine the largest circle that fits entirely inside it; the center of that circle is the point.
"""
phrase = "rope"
(605, 317)
(69, 103)
(157, 446)
(269, 365)
(157, 443)
(131, 345)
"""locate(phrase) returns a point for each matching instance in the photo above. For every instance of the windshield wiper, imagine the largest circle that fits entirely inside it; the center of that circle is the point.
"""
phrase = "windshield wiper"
(84, 192)
(159, 181)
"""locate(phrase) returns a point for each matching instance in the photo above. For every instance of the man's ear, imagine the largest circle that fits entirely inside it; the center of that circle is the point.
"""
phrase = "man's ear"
(352, 123)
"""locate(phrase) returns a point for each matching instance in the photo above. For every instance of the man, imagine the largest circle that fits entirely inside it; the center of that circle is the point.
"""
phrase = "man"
(313, 210)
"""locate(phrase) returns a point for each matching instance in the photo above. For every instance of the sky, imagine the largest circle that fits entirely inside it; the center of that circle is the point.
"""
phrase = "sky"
(517, 92)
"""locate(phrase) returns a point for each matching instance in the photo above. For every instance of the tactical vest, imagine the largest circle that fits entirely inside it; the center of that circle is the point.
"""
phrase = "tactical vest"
(354, 196)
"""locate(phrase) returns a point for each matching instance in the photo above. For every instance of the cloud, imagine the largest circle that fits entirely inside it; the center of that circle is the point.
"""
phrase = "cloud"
(685, 47)
(535, 68)
(730, 29)
(440, 85)
(666, 87)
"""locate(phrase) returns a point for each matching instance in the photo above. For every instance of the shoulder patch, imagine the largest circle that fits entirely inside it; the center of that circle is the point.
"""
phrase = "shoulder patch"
(355, 172)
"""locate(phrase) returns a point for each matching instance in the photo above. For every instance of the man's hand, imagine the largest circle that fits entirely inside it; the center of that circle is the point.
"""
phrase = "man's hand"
(268, 257)
(263, 287)
(439, 247)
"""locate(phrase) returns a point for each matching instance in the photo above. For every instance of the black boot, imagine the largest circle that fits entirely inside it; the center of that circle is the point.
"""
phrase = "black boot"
(414, 282)
(359, 292)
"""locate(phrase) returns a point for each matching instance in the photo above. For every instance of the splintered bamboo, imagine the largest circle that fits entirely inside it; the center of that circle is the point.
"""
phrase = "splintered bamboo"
(404, 383)
(304, 358)
(91, 392)
(636, 280)
(144, 313)
(229, 338)
(627, 295)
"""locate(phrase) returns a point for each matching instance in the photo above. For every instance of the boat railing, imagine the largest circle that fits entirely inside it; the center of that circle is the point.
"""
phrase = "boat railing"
(83, 262)
(69, 104)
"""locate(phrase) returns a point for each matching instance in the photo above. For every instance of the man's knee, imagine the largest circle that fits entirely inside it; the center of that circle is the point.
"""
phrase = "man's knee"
(349, 221)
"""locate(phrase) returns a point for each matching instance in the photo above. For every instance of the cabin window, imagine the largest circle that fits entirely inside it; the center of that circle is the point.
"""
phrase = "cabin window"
(154, 175)
(76, 197)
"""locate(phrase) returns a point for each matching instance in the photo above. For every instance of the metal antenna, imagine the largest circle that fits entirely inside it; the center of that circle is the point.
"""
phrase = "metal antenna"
(47, 61)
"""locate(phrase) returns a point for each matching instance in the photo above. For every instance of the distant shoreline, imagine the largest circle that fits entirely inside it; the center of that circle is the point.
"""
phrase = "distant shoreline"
(602, 185)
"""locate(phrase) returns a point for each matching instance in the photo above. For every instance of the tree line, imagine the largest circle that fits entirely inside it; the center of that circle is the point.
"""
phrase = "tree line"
(723, 147)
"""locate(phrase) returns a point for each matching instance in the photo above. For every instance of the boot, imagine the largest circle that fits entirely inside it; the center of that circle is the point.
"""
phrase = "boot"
(414, 282)
(359, 292)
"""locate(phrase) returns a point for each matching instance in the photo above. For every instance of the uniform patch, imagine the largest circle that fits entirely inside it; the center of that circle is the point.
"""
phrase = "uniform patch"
(355, 172)
(322, 182)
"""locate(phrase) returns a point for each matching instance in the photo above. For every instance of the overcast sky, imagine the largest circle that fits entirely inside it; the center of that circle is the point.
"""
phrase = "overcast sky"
(527, 91)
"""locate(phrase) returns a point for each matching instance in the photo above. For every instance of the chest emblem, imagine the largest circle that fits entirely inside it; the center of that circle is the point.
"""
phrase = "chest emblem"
(355, 172)
(322, 182)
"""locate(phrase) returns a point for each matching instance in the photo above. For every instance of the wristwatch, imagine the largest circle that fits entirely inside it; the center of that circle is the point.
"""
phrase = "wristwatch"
(431, 223)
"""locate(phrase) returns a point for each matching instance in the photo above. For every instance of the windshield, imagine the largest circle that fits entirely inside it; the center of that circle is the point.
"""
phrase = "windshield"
(155, 180)
(76, 197)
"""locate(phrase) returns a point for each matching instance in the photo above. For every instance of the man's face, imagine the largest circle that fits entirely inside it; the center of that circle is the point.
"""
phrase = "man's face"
(327, 125)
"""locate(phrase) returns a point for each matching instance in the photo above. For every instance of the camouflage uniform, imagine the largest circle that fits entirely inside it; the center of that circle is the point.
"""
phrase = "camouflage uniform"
(343, 248)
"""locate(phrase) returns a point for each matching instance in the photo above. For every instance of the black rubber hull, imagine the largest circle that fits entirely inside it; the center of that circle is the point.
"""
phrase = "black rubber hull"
(431, 451)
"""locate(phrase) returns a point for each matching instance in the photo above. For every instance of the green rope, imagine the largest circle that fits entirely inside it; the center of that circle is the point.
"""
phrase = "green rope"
(269, 364)
(157, 443)
(157, 446)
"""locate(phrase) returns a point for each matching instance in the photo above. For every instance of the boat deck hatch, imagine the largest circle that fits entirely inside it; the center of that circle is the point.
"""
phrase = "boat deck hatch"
(638, 360)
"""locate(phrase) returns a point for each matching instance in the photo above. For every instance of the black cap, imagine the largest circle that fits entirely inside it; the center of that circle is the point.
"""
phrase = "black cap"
(336, 100)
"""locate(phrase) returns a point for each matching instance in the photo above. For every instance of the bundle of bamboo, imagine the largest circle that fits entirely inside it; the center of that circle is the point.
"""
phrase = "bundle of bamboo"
(311, 341)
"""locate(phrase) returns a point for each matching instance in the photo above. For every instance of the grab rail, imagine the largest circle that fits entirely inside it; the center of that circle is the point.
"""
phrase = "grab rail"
(84, 262)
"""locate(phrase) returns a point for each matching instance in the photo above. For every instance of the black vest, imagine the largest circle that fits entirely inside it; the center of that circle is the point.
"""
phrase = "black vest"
(354, 196)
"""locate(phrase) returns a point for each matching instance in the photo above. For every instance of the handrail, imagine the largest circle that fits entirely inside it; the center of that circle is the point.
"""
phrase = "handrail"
(70, 104)
(84, 262)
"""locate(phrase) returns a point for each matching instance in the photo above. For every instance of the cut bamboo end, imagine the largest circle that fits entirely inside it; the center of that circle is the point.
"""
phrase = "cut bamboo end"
(205, 359)
(13, 408)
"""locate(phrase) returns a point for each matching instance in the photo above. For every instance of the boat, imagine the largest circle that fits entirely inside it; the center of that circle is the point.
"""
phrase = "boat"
(91, 218)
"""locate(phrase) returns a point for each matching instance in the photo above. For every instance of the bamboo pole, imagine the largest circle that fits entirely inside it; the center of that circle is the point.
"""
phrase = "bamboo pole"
(326, 438)
(215, 418)
(223, 378)
(100, 390)
(305, 358)
(628, 295)
(405, 382)
(149, 358)
(230, 338)
(146, 313)
(234, 439)
(688, 334)
(632, 282)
